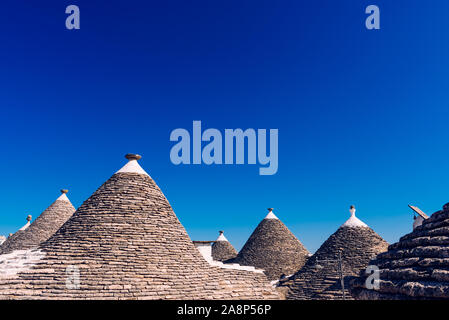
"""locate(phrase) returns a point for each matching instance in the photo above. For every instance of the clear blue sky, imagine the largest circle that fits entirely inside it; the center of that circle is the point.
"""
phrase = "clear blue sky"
(362, 115)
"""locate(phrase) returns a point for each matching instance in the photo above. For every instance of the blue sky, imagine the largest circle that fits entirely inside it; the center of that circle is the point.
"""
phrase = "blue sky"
(362, 115)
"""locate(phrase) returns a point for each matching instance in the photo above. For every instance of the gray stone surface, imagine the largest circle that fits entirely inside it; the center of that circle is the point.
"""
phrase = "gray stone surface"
(416, 267)
(127, 243)
(274, 248)
(319, 279)
(223, 250)
(40, 229)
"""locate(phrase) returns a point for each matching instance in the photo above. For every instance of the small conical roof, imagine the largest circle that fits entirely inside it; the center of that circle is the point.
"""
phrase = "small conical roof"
(222, 249)
(274, 248)
(353, 244)
(416, 267)
(32, 234)
(125, 242)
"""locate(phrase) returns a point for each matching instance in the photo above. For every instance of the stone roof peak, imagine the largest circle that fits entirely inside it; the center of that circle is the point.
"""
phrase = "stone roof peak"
(353, 221)
(26, 224)
(152, 255)
(132, 166)
(221, 237)
(270, 214)
(63, 196)
(31, 235)
(273, 248)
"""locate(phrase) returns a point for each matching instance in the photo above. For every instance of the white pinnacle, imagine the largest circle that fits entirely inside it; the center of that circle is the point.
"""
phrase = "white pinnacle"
(353, 221)
(63, 197)
(221, 237)
(132, 167)
(25, 226)
(271, 215)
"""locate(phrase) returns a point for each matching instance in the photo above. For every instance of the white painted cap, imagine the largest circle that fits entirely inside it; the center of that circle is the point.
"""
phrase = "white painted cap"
(270, 214)
(221, 237)
(26, 224)
(63, 196)
(132, 166)
(353, 221)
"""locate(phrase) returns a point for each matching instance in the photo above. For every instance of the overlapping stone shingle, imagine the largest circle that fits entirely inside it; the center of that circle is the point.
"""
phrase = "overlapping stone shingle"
(416, 267)
(222, 249)
(42, 228)
(274, 248)
(125, 242)
(345, 252)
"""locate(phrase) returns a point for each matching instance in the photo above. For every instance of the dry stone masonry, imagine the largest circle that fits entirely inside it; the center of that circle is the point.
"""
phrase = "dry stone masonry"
(42, 228)
(222, 249)
(416, 267)
(125, 242)
(274, 248)
(319, 279)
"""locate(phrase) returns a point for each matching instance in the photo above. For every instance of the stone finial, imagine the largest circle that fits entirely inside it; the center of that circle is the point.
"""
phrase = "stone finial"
(29, 217)
(64, 191)
(220, 232)
(132, 156)
(352, 210)
(270, 209)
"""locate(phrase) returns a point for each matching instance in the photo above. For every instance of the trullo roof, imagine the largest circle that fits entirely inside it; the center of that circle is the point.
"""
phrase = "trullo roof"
(222, 249)
(274, 248)
(319, 279)
(416, 267)
(31, 235)
(125, 242)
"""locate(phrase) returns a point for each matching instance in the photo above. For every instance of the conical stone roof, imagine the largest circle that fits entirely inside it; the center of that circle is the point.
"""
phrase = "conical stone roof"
(222, 249)
(31, 235)
(274, 248)
(125, 242)
(416, 267)
(319, 279)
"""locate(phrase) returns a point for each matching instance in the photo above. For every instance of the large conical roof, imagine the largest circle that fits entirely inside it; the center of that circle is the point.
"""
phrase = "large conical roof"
(125, 242)
(274, 248)
(31, 235)
(222, 249)
(416, 267)
(355, 243)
